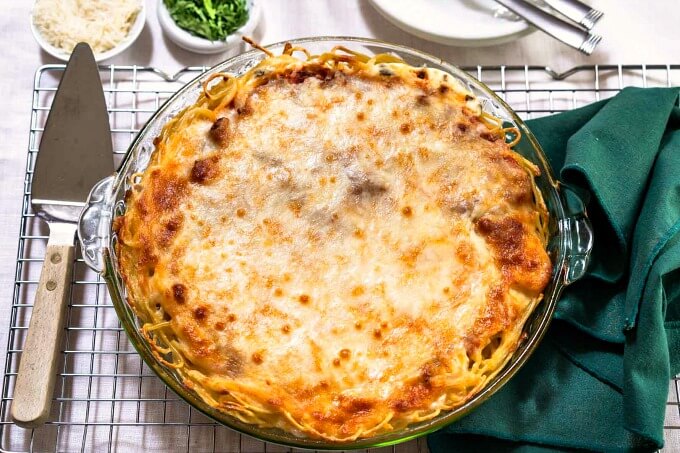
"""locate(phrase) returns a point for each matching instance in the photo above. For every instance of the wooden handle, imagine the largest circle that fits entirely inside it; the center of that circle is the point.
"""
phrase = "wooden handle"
(38, 367)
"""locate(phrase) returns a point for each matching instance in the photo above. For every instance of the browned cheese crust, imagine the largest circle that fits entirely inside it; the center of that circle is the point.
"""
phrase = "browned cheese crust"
(339, 251)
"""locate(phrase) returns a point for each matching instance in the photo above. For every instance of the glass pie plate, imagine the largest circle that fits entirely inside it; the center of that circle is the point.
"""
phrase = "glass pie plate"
(570, 237)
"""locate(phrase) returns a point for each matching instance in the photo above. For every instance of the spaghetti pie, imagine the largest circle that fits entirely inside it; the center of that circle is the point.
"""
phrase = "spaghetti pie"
(335, 245)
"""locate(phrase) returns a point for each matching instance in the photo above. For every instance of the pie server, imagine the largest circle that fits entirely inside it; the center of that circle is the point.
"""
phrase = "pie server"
(75, 152)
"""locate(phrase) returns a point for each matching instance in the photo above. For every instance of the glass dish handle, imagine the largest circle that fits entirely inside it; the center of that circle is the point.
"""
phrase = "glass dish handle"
(94, 225)
(577, 233)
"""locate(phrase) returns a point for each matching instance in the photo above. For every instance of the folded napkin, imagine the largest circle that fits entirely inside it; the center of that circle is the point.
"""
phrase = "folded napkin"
(599, 380)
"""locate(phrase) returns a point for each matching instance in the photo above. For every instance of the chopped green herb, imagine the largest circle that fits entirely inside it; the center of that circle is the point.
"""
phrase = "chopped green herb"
(210, 19)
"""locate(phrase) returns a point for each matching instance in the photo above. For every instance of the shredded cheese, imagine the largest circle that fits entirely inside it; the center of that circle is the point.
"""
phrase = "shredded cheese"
(103, 24)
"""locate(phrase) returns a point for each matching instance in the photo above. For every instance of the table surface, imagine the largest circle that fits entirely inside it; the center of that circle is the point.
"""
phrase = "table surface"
(633, 33)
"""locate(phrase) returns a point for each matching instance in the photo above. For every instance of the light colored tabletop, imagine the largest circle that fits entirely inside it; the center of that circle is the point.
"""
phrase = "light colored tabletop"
(634, 33)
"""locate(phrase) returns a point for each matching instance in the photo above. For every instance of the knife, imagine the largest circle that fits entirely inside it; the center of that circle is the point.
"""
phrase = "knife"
(564, 31)
(75, 152)
(577, 11)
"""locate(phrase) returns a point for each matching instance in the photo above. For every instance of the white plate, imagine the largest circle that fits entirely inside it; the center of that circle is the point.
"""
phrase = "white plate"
(187, 41)
(469, 23)
(61, 54)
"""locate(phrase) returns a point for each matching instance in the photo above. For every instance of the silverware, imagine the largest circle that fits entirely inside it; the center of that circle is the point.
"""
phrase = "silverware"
(577, 11)
(570, 34)
(75, 152)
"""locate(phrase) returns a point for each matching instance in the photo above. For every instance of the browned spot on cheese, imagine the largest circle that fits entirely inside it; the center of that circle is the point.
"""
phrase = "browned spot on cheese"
(407, 211)
(506, 236)
(519, 188)
(355, 405)
(295, 206)
(204, 170)
(406, 161)
(345, 353)
(430, 369)
(421, 74)
(257, 358)
(465, 252)
(231, 317)
(443, 88)
(167, 192)
(179, 292)
(200, 313)
(410, 255)
(273, 227)
(240, 212)
(358, 291)
(278, 292)
(413, 396)
(285, 328)
(365, 185)
(169, 231)
(304, 298)
(423, 153)
(219, 325)
(219, 131)
(336, 362)
(406, 128)
(361, 116)
(244, 110)
(377, 333)
(201, 347)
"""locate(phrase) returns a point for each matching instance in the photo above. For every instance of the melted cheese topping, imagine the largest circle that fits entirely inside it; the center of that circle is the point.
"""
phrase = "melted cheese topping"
(337, 253)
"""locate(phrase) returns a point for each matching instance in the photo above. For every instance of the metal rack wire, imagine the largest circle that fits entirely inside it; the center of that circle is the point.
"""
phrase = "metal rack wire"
(106, 399)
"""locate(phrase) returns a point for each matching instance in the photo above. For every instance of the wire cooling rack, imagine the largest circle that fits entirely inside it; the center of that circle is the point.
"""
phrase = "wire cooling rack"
(105, 398)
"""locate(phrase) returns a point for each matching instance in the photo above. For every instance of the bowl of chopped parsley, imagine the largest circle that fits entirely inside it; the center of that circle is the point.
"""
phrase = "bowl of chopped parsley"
(207, 26)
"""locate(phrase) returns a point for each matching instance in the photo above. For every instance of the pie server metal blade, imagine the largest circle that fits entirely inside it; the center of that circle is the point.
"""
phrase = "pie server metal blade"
(75, 152)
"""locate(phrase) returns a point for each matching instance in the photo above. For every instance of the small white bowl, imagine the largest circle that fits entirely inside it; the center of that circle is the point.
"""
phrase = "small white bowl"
(187, 41)
(61, 54)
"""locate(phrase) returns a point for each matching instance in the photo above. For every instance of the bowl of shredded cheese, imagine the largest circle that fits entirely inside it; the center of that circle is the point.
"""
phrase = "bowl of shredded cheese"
(108, 26)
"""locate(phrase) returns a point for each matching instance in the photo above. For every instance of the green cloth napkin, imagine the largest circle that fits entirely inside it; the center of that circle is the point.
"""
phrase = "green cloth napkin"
(599, 380)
